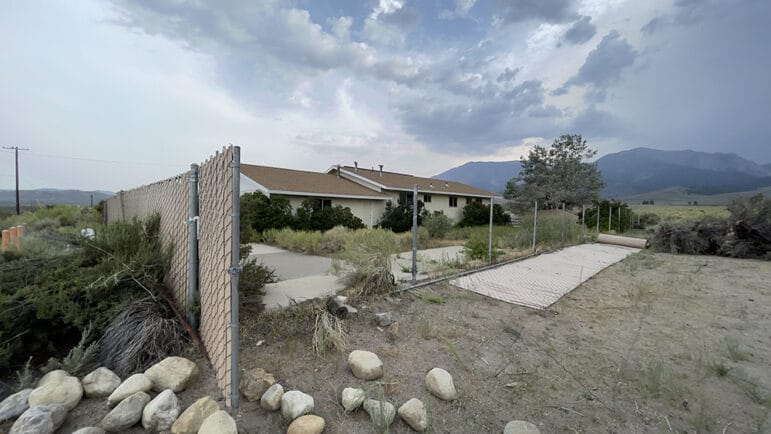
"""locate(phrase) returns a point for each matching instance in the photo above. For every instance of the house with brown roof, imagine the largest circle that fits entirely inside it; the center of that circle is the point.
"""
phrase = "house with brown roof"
(364, 191)
(437, 195)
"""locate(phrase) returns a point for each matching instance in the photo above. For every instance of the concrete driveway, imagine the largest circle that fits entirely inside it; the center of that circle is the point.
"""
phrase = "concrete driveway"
(300, 277)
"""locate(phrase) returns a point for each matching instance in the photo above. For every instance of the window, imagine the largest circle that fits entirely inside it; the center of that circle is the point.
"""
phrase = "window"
(405, 197)
(326, 203)
(468, 200)
(453, 202)
(426, 198)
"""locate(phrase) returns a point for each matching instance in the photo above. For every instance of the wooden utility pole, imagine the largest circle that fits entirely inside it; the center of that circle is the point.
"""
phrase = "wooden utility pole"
(16, 152)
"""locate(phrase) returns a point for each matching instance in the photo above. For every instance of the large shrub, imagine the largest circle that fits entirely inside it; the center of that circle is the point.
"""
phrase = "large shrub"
(259, 212)
(437, 224)
(45, 302)
(477, 214)
(312, 217)
(399, 218)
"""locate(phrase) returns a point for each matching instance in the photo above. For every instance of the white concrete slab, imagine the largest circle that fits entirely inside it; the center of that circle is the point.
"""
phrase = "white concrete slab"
(540, 281)
(283, 293)
(428, 261)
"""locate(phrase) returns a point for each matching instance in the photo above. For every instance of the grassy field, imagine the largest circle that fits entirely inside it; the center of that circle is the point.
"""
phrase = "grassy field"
(671, 212)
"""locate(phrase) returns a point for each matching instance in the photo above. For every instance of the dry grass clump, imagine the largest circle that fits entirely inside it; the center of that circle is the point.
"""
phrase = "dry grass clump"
(369, 253)
(143, 333)
(328, 333)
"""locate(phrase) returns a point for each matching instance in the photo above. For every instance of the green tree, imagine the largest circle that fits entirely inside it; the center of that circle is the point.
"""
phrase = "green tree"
(399, 218)
(311, 216)
(558, 174)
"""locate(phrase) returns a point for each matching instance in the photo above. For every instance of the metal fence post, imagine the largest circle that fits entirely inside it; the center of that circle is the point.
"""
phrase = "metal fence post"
(562, 226)
(610, 217)
(490, 235)
(598, 218)
(619, 219)
(414, 233)
(583, 215)
(535, 222)
(235, 244)
(192, 236)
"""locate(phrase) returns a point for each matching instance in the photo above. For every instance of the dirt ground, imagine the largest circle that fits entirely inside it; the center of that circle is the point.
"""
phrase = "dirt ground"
(656, 343)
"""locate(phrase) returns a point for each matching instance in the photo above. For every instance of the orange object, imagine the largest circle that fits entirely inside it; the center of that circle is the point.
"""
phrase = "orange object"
(13, 235)
(20, 231)
(6, 239)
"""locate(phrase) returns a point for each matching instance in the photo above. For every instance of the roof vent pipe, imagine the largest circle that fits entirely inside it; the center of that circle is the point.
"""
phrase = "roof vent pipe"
(355, 166)
(338, 170)
(446, 184)
(381, 169)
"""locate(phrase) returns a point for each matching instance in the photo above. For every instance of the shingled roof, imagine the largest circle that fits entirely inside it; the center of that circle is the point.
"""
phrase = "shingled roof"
(300, 182)
(405, 182)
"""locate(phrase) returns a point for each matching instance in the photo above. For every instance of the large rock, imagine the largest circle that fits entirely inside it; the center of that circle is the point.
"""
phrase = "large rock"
(100, 383)
(271, 399)
(219, 422)
(352, 398)
(126, 414)
(382, 413)
(14, 405)
(40, 419)
(57, 387)
(308, 424)
(160, 413)
(133, 384)
(295, 403)
(174, 373)
(255, 382)
(520, 427)
(90, 430)
(440, 384)
(189, 422)
(414, 413)
(365, 365)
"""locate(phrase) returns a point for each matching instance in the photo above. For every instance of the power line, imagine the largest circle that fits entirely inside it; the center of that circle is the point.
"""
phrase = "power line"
(16, 150)
(96, 160)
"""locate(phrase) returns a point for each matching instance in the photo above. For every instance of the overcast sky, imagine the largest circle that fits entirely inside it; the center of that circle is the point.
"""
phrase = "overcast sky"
(113, 94)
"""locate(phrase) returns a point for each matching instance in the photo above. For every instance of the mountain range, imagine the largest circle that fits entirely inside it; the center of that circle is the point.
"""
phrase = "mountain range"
(52, 196)
(640, 171)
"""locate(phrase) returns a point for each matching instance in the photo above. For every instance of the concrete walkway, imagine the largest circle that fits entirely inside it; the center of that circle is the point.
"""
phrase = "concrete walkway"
(429, 262)
(540, 281)
(300, 277)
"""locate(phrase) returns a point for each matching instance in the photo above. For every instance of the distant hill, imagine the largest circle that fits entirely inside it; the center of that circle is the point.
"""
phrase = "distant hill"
(682, 196)
(487, 175)
(641, 170)
(52, 196)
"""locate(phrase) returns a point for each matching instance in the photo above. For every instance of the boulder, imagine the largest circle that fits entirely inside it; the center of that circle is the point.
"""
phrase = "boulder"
(352, 398)
(40, 419)
(382, 413)
(133, 384)
(90, 430)
(271, 399)
(295, 403)
(14, 405)
(365, 365)
(308, 424)
(414, 413)
(254, 383)
(520, 427)
(383, 319)
(219, 422)
(189, 422)
(126, 414)
(100, 383)
(57, 387)
(440, 384)
(160, 413)
(174, 373)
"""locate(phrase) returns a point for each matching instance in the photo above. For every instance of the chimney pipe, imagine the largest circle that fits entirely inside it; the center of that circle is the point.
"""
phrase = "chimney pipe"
(338, 170)
(355, 166)
(381, 169)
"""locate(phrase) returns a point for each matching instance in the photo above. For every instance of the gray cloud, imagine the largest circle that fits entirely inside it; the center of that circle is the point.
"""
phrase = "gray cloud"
(552, 11)
(581, 31)
(603, 66)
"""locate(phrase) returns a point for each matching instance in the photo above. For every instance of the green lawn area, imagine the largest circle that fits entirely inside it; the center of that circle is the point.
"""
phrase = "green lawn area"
(671, 212)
